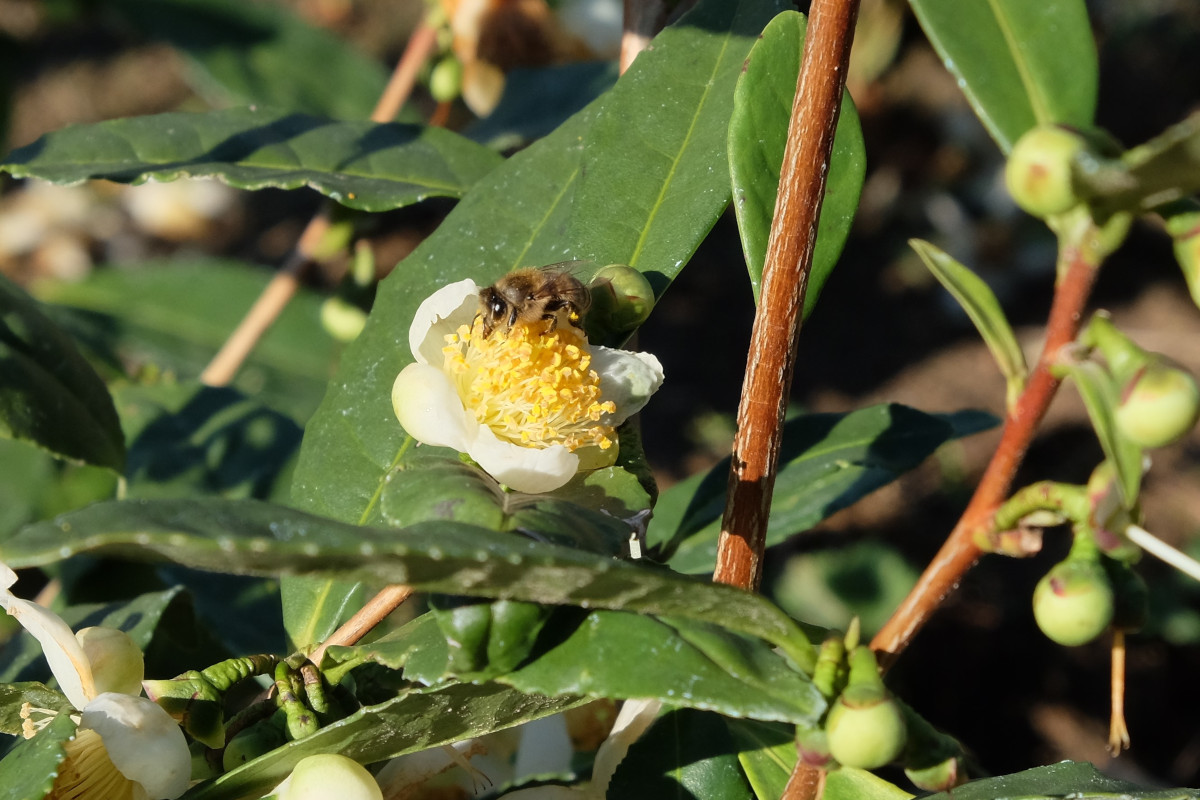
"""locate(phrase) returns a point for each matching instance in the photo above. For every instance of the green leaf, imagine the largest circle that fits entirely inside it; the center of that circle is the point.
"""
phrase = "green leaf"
(685, 755)
(49, 395)
(260, 53)
(25, 474)
(416, 720)
(850, 783)
(767, 752)
(655, 182)
(29, 769)
(314, 607)
(1100, 395)
(1065, 779)
(1020, 64)
(362, 165)
(14, 695)
(251, 537)
(762, 110)
(187, 439)
(604, 654)
(827, 462)
(1160, 171)
(176, 314)
(981, 305)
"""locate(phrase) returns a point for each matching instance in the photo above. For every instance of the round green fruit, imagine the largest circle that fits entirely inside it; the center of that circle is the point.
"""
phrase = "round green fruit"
(1159, 405)
(1038, 172)
(1073, 603)
(445, 82)
(865, 728)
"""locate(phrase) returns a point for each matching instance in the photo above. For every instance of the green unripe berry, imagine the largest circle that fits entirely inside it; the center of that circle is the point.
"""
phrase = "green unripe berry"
(622, 299)
(1073, 603)
(445, 82)
(1038, 172)
(251, 743)
(328, 775)
(341, 319)
(1159, 405)
(865, 728)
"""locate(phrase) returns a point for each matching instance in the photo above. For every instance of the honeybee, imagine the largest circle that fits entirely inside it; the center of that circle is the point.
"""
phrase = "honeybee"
(532, 295)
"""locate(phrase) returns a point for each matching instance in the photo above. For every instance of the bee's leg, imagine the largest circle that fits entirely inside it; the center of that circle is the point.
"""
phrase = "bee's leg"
(553, 319)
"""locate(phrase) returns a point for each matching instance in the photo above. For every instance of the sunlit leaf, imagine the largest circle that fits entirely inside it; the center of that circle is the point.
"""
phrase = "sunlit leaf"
(362, 165)
(1020, 64)
(684, 754)
(1064, 779)
(49, 395)
(15, 695)
(762, 108)
(29, 769)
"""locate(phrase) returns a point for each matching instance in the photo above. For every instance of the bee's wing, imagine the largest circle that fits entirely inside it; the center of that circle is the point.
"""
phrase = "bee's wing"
(582, 270)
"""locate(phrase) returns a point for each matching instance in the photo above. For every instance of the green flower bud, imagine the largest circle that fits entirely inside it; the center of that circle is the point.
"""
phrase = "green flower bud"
(812, 745)
(622, 299)
(251, 743)
(865, 727)
(330, 775)
(116, 660)
(1185, 235)
(940, 777)
(1038, 172)
(1159, 405)
(341, 319)
(1073, 603)
(445, 82)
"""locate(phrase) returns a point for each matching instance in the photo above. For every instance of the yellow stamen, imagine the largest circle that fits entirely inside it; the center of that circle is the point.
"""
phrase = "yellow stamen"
(531, 387)
(87, 773)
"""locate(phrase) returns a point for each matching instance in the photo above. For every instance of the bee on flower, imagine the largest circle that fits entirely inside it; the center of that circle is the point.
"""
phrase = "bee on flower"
(506, 375)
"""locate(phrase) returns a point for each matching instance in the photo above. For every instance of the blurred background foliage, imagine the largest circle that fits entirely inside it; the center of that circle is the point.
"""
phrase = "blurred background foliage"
(150, 279)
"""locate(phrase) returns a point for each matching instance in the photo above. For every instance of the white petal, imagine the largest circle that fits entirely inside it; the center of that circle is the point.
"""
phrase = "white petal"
(116, 660)
(329, 775)
(429, 408)
(440, 314)
(628, 379)
(144, 743)
(62, 650)
(526, 469)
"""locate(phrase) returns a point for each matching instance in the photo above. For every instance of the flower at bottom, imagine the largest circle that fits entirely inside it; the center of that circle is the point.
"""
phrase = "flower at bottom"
(531, 407)
(125, 746)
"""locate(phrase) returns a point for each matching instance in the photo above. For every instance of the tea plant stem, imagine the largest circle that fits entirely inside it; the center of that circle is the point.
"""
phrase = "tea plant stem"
(283, 286)
(366, 618)
(773, 341)
(960, 551)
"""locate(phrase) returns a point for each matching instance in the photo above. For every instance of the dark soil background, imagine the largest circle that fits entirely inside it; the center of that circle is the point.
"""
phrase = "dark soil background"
(884, 331)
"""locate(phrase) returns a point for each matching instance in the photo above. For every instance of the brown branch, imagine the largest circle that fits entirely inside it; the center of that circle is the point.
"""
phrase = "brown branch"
(773, 341)
(283, 286)
(961, 549)
(367, 617)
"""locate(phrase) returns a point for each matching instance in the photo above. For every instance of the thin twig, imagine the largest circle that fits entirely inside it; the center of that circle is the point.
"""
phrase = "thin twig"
(773, 341)
(282, 287)
(370, 615)
(1163, 551)
(961, 549)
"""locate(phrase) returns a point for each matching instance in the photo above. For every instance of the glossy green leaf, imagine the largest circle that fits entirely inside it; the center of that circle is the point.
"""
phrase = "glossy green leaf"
(1019, 63)
(187, 439)
(827, 462)
(762, 109)
(251, 537)
(1076, 780)
(604, 654)
(29, 769)
(767, 752)
(685, 755)
(1101, 395)
(981, 305)
(260, 53)
(176, 314)
(49, 395)
(362, 165)
(850, 783)
(416, 720)
(655, 182)
(25, 474)
(15, 695)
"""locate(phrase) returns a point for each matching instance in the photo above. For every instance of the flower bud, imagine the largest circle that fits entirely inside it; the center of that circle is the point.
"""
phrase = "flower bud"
(1159, 405)
(865, 727)
(1185, 235)
(341, 319)
(445, 82)
(1073, 603)
(1038, 172)
(328, 775)
(812, 744)
(117, 664)
(622, 299)
(251, 743)
(940, 777)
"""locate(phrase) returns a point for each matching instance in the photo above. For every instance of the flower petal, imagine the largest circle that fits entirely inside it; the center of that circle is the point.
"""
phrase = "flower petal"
(142, 740)
(429, 408)
(628, 379)
(525, 469)
(116, 660)
(440, 314)
(62, 650)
